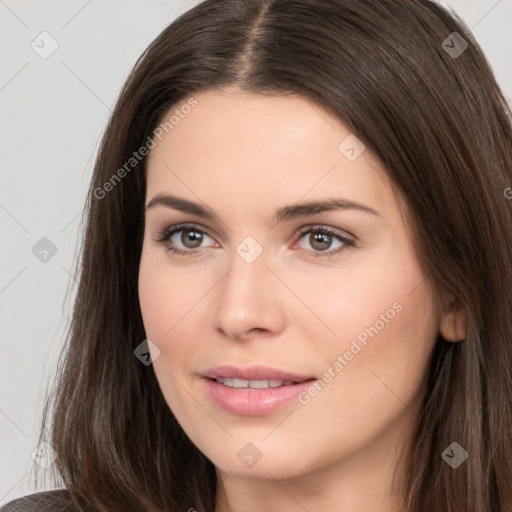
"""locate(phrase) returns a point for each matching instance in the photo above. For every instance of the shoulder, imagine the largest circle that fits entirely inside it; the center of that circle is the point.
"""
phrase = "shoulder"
(47, 501)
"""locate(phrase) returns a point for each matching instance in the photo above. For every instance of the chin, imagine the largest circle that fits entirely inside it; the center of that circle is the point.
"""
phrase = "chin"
(260, 460)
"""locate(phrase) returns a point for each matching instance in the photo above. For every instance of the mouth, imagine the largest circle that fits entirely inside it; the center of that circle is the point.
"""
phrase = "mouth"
(253, 391)
(257, 375)
(256, 384)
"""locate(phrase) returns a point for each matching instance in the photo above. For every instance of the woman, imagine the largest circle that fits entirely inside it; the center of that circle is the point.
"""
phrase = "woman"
(296, 283)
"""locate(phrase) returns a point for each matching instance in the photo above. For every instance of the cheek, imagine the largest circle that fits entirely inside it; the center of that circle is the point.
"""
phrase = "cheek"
(165, 300)
(385, 380)
(377, 383)
(171, 301)
(155, 300)
(363, 301)
(384, 323)
(385, 343)
(166, 294)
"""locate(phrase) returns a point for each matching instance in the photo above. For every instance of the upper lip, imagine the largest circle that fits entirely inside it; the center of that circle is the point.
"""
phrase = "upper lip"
(254, 373)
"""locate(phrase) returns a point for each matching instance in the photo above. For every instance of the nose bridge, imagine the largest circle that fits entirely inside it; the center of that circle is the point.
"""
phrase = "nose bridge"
(248, 267)
(246, 295)
(244, 285)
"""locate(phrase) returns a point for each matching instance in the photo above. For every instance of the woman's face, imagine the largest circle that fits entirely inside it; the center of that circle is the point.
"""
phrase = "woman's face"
(266, 295)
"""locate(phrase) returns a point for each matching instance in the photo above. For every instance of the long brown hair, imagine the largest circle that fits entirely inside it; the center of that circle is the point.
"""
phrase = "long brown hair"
(432, 112)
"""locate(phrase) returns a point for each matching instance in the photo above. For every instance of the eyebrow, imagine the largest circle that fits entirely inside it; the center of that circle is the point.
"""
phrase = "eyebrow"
(283, 214)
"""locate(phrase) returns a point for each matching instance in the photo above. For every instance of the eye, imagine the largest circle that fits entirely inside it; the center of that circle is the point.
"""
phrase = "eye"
(187, 234)
(321, 239)
(191, 237)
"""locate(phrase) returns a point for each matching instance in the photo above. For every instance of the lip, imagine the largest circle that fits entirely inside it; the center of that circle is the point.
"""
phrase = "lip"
(254, 402)
(254, 373)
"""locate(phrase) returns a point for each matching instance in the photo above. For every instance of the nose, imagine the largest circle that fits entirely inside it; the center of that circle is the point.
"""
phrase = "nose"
(248, 300)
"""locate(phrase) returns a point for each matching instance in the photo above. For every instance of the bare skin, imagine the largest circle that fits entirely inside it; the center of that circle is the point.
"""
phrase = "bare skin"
(245, 156)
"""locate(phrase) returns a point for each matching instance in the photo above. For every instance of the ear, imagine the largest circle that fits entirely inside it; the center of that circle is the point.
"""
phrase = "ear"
(453, 319)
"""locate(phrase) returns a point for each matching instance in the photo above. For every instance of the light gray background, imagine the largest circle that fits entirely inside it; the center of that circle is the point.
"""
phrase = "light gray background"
(53, 113)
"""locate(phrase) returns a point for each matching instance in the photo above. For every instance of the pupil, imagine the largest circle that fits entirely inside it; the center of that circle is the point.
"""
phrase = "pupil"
(321, 238)
(192, 236)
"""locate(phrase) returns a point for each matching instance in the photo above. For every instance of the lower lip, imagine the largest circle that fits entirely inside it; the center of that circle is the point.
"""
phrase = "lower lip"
(254, 402)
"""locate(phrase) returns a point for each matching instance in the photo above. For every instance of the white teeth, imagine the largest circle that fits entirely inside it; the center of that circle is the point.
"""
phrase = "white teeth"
(253, 384)
(259, 384)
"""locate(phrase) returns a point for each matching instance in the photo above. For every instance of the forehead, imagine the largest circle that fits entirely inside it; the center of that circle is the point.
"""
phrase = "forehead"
(256, 150)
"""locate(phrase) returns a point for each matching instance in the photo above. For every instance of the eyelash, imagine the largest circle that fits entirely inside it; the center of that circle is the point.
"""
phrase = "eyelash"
(168, 232)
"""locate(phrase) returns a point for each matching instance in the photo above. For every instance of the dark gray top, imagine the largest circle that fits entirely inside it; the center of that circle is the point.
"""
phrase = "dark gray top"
(46, 501)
